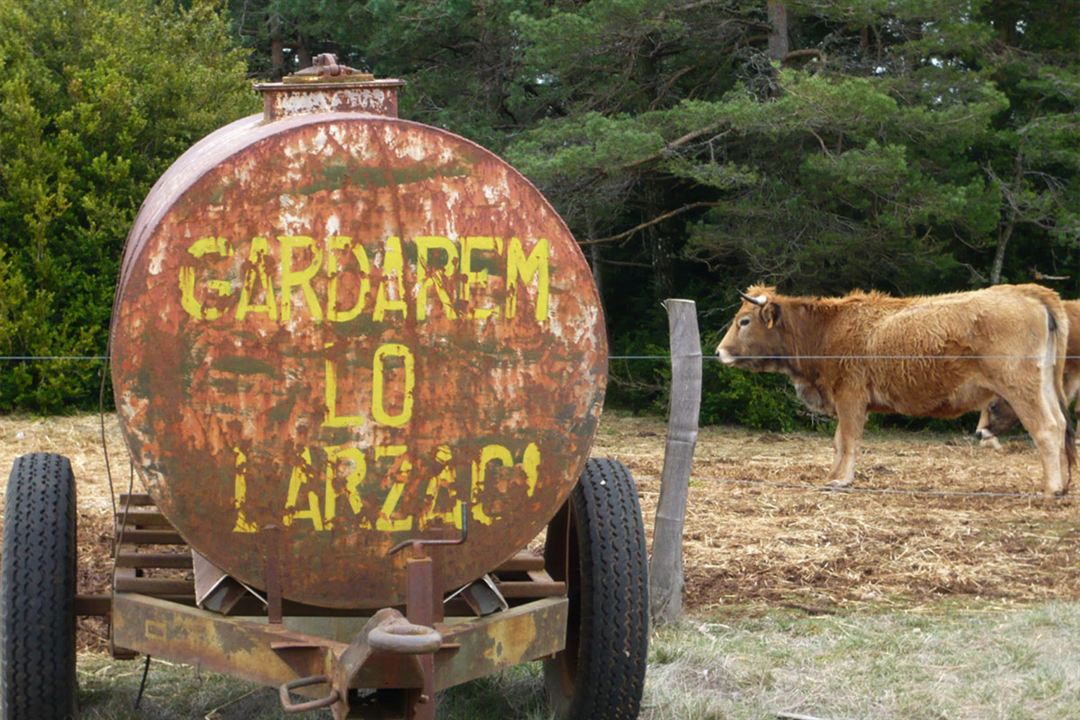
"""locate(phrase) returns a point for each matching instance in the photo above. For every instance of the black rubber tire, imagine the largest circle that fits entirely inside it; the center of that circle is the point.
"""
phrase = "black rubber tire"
(37, 596)
(601, 673)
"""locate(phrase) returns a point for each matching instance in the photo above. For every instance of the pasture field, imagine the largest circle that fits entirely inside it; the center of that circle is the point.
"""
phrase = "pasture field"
(945, 586)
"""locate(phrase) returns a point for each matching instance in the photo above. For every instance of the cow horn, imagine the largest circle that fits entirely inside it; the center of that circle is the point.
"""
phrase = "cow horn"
(760, 300)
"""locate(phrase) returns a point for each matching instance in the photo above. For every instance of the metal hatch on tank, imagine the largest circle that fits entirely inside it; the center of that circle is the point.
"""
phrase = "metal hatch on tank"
(337, 331)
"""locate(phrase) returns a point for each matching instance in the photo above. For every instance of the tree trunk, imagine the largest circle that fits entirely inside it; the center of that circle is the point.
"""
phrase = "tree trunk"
(658, 245)
(662, 265)
(666, 565)
(596, 259)
(277, 49)
(778, 36)
(303, 54)
(1004, 233)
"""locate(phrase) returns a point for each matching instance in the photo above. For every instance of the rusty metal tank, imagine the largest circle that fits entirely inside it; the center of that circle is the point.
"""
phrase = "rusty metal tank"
(337, 331)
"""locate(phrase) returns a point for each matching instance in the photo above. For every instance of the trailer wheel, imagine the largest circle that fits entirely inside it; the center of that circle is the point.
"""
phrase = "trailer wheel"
(596, 543)
(37, 597)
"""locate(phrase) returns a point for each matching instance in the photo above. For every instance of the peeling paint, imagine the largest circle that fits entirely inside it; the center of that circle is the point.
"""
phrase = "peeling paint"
(363, 421)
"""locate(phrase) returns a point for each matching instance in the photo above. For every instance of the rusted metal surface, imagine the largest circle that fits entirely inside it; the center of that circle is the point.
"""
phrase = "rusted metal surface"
(154, 586)
(378, 97)
(136, 500)
(531, 589)
(153, 537)
(325, 67)
(141, 518)
(272, 655)
(487, 645)
(423, 606)
(93, 604)
(260, 652)
(354, 328)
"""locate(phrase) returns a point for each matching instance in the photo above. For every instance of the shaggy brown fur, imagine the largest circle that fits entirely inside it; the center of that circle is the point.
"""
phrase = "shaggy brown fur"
(999, 417)
(936, 356)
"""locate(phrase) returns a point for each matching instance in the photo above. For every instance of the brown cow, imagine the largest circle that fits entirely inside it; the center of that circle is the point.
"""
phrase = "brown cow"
(938, 356)
(998, 416)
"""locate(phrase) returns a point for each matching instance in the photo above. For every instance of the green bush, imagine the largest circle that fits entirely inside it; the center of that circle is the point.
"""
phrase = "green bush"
(761, 401)
(96, 101)
(728, 396)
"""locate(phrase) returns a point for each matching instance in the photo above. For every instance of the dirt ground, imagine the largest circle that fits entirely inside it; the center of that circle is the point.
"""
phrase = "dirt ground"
(758, 528)
(931, 516)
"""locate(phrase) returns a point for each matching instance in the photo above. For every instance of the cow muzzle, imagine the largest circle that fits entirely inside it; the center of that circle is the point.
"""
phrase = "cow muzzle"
(725, 357)
(984, 434)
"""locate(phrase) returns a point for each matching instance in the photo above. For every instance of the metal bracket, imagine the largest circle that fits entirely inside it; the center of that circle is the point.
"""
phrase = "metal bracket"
(419, 542)
(386, 632)
(287, 705)
(325, 68)
(482, 596)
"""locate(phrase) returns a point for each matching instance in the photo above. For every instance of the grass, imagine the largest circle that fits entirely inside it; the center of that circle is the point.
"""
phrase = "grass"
(942, 662)
(1015, 664)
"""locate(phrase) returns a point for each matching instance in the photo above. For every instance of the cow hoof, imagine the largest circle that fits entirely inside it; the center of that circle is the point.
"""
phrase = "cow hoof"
(837, 486)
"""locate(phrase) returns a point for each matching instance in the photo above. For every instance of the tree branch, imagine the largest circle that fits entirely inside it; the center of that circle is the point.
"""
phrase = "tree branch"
(1036, 275)
(624, 263)
(649, 223)
(797, 54)
(674, 144)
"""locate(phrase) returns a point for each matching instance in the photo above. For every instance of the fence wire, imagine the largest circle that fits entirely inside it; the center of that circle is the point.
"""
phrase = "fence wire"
(882, 491)
(848, 357)
(709, 358)
(658, 358)
(51, 358)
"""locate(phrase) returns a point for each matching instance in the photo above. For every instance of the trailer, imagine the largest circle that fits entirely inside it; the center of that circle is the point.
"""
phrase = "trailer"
(358, 363)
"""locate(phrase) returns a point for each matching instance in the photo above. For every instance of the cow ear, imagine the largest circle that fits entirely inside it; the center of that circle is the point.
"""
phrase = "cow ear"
(771, 314)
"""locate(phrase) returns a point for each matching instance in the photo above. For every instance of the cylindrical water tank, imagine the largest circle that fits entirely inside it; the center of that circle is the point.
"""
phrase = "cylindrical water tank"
(336, 331)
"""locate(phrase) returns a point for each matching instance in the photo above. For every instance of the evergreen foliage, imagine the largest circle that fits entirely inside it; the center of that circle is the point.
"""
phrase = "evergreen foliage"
(694, 146)
(96, 100)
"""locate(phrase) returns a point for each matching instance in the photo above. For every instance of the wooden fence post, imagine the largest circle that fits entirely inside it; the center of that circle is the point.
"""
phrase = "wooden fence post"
(666, 564)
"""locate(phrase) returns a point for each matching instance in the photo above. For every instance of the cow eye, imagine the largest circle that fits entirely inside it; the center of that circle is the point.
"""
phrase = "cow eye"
(744, 321)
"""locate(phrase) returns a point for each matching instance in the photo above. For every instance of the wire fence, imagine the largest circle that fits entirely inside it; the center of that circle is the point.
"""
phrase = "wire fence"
(882, 491)
(804, 487)
(654, 358)
(51, 358)
(849, 357)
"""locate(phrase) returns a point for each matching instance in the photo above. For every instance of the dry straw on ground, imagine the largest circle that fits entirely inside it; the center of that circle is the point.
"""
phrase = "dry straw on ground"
(79, 438)
(748, 539)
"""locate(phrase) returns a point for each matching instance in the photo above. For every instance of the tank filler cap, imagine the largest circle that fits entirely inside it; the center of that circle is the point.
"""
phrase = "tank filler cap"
(327, 86)
(325, 68)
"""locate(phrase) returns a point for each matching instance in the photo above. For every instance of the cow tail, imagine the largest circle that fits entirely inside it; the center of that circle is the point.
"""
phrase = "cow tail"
(1070, 434)
(1061, 340)
(1070, 438)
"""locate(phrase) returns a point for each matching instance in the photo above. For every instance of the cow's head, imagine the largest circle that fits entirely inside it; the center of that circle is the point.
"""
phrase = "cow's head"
(756, 332)
(996, 418)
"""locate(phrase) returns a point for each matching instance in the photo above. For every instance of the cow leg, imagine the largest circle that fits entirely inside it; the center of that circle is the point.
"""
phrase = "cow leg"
(1072, 391)
(1046, 424)
(849, 430)
(989, 425)
(982, 430)
(1071, 384)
